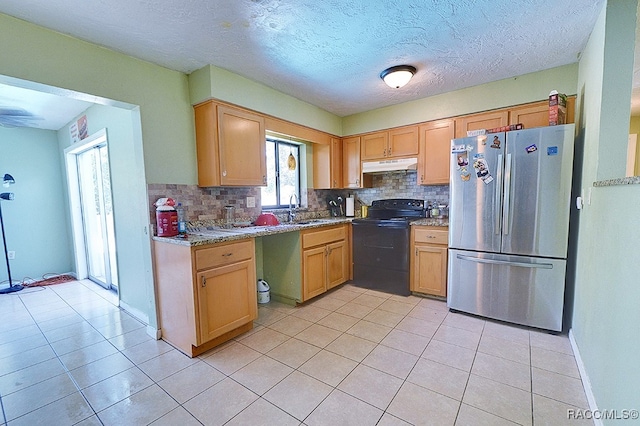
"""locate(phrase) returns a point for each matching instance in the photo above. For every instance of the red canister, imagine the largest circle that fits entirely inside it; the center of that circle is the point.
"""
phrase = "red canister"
(167, 221)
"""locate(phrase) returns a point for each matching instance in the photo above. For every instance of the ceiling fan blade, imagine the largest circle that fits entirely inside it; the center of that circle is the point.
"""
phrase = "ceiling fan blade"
(17, 117)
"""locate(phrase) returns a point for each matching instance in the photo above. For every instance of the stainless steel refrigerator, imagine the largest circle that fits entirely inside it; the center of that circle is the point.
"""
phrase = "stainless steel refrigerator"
(510, 199)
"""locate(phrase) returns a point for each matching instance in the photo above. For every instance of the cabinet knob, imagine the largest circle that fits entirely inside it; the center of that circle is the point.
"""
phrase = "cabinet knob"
(224, 173)
(264, 179)
(384, 153)
(389, 152)
(421, 178)
(204, 281)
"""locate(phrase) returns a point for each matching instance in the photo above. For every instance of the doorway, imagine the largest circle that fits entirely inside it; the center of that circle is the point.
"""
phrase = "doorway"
(91, 198)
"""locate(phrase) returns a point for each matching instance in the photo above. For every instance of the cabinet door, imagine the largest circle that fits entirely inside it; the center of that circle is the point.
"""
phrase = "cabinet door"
(314, 272)
(430, 270)
(374, 146)
(403, 142)
(336, 163)
(207, 144)
(226, 298)
(485, 120)
(351, 163)
(531, 115)
(242, 140)
(337, 263)
(435, 152)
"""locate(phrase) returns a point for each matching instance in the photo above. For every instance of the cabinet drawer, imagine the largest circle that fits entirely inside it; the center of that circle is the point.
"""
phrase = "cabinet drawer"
(431, 236)
(325, 236)
(224, 254)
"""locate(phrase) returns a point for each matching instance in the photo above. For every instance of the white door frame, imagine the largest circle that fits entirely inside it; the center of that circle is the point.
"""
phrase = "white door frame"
(75, 205)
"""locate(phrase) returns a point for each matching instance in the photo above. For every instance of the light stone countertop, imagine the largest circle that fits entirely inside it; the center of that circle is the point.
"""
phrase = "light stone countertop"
(217, 234)
(633, 180)
(431, 222)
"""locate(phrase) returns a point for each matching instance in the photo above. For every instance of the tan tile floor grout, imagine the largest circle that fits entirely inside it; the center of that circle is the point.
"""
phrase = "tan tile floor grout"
(351, 357)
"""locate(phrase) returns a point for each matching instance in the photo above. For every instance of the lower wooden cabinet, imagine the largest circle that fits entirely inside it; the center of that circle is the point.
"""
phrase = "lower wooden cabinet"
(206, 294)
(325, 259)
(429, 260)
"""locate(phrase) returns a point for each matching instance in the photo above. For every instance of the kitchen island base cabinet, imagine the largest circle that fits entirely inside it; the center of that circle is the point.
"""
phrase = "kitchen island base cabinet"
(429, 260)
(325, 259)
(206, 294)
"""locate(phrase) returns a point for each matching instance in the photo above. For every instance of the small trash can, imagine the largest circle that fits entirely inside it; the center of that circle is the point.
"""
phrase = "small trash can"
(264, 295)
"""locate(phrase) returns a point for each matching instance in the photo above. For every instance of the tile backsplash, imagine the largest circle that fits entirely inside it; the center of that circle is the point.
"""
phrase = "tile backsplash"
(207, 204)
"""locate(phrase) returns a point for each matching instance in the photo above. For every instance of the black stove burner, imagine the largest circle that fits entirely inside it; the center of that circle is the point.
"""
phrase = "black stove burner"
(396, 208)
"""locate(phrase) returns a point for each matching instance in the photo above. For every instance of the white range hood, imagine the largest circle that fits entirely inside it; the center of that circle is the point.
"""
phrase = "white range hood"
(390, 165)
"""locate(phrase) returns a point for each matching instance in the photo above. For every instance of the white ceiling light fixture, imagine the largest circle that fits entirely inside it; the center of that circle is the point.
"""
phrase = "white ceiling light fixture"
(398, 76)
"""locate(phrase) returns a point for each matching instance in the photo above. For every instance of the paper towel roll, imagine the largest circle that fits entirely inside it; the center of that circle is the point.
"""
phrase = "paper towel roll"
(349, 207)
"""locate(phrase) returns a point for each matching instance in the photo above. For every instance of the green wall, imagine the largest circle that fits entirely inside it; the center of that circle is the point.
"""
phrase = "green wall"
(36, 54)
(512, 91)
(213, 82)
(131, 212)
(606, 313)
(35, 221)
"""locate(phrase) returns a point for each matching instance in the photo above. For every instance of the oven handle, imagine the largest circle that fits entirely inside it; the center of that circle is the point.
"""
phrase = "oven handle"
(384, 224)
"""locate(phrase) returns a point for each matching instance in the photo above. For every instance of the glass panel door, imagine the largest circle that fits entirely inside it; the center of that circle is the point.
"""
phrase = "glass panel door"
(97, 215)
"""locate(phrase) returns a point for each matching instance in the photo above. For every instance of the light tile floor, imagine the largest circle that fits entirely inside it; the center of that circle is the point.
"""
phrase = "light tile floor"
(68, 356)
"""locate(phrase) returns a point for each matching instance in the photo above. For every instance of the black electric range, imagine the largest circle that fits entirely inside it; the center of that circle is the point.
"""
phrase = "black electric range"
(381, 245)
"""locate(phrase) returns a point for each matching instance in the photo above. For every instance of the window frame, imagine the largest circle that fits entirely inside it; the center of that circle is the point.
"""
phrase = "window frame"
(278, 143)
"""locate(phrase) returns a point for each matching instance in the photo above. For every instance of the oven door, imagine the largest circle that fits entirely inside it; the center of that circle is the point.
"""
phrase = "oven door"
(381, 255)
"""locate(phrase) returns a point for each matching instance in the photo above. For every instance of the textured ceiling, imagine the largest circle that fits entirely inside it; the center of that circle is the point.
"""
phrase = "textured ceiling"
(330, 52)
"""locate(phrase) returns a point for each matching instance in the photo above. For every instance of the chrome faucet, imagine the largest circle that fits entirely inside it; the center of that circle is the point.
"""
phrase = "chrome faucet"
(292, 207)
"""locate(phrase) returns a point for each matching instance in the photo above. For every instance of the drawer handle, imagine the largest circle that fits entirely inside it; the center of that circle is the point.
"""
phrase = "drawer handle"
(227, 254)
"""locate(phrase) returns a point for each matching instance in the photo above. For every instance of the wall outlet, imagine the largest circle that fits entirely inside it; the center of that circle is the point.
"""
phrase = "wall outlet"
(11, 255)
(251, 201)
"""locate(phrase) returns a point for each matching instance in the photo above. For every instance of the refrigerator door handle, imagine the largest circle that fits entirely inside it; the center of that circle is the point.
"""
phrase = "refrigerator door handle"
(496, 196)
(507, 196)
(505, 262)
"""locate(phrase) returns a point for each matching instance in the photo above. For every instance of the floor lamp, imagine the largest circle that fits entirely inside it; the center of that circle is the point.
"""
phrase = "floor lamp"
(8, 180)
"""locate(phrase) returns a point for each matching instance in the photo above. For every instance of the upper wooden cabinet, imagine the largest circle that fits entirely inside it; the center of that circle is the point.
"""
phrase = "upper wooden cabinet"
(435, 152)
(351, 165)
(400, 142)
(230, 146)
(530, 115)
(327, 165)
(536, 114)
(485, 120)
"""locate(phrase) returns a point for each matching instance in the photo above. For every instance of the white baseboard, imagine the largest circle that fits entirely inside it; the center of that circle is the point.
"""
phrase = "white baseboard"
(586, 383)
(142, 317)
(156, 334)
